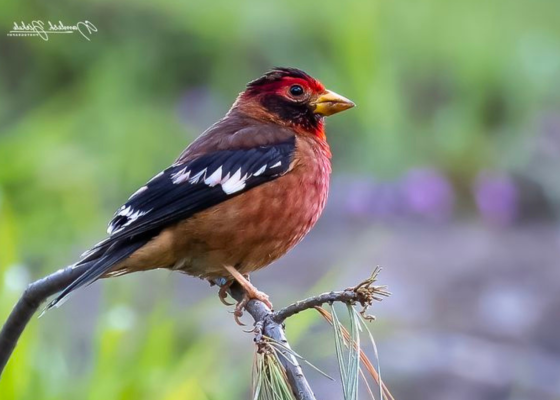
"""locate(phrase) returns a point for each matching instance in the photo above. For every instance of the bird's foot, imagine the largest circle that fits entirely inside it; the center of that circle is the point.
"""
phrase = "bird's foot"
(251, 292)
(247, 297)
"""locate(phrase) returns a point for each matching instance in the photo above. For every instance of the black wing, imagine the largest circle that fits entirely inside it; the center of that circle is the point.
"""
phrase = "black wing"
(176, 194)
(183, 190)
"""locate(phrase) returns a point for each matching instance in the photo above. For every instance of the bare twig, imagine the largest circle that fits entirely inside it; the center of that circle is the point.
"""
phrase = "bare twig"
(363, 293)
(35, 294)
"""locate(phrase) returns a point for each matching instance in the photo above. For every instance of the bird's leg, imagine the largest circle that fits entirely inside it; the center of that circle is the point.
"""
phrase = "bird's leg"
(251, 292)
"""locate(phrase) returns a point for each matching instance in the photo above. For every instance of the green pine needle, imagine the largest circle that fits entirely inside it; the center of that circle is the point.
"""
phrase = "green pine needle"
(269, 377)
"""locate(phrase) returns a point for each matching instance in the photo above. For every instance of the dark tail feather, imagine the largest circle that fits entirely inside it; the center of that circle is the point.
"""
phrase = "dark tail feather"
(106, 259)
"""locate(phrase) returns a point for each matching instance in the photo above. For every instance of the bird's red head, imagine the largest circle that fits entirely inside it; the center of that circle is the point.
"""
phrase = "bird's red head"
(291, 97)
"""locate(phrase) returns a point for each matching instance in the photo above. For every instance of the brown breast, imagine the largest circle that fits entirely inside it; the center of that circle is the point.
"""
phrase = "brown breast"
(255, 228)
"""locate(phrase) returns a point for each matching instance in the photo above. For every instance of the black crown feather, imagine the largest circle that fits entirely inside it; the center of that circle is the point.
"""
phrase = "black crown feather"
(276, 74)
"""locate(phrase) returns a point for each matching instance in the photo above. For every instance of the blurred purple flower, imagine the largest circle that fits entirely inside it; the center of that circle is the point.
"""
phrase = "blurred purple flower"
(496, 197)
(429, 194)
(377, 200)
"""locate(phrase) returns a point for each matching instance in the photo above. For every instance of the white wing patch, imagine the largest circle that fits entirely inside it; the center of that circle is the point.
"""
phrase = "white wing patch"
(130, 214)
(260, 171)
(181, 176)
(215, 178)
(230, 183)
(197, 177)
(235, 183)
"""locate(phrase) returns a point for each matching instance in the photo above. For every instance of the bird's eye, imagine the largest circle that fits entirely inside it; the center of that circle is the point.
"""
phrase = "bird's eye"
(296, 90)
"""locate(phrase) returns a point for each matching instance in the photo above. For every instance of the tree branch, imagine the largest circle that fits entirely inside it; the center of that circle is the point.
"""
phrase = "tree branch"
(271, 324)
(347, 296)
(35, 294)
(267, 323)
(274, 330)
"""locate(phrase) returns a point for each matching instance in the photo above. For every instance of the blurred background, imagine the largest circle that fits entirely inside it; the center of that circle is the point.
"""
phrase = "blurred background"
(446, 175)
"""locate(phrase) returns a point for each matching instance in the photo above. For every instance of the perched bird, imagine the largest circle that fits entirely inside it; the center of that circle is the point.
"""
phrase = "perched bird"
(239, 197)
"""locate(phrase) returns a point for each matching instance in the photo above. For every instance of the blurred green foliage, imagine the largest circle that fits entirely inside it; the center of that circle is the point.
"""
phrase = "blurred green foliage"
(457, 85)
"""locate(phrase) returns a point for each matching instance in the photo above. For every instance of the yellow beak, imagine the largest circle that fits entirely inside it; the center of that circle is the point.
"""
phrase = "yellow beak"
(330, 103)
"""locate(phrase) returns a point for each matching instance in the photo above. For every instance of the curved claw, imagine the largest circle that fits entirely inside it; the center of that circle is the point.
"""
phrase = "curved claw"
(261, 296)
(239, 308)
(224, 302)
(253, 330)
(236, 316)
(222, 295)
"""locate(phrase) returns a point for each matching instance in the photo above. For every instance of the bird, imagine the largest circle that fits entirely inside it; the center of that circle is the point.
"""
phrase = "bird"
(239, 197)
